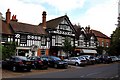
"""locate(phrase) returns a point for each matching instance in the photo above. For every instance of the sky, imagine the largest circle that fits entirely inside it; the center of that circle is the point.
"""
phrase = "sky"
(101, 15)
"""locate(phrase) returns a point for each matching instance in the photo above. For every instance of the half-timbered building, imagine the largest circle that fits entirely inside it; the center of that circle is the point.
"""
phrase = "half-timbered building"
(59, 29)
(85, 42)
(32, 40)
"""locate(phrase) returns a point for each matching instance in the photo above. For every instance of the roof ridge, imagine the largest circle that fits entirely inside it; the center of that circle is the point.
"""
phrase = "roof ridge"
(56, 18)
(24, 23)
(104, 35)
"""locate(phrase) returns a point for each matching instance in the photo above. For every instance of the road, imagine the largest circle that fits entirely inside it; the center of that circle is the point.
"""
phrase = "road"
(93, 71)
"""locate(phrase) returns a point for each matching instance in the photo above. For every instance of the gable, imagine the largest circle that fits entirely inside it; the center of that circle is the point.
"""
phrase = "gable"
(66, 25)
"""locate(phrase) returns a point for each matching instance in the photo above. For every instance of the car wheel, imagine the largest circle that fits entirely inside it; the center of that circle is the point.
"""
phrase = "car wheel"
(76, 64)
(14, 68)
(29, 69)
(66, 67)
(56, 66)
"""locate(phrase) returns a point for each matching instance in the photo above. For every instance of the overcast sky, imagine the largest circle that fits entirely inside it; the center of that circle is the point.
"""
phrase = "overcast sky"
(101, 15)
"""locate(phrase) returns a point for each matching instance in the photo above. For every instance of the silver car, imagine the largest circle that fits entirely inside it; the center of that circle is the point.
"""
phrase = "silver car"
(77, 61)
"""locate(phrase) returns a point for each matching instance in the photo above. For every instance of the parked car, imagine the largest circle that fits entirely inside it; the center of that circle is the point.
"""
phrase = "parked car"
(118, 58)
(16, 63)
(114, 58)
(90, 59)
(98, 60)
(77, 61)
(39, 62)
(56, 62)
(105, 59)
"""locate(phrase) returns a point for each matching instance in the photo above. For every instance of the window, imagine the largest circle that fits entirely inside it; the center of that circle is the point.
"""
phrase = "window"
(98, 43)
(102, 44)
(43, 41)
(92, 38)
(43, 52)
(81, 40)
(58, 39)
(107, 44)
(81, 43)
(4, 39)
(23, 39)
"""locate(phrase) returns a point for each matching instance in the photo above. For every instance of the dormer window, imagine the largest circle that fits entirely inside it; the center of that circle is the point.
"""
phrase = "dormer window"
(92, 38)
(92, 41)
(81, 41)
(81, 37)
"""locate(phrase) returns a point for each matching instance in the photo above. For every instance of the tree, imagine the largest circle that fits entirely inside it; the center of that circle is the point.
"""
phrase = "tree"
(115, 41)
(0, 52)
(8, 50)
(67, 46)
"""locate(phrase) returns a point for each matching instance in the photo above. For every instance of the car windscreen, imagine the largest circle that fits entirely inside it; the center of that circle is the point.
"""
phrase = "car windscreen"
(56, 58)
(22, 58)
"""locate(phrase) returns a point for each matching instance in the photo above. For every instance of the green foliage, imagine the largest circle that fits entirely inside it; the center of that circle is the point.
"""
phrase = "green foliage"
(8, 50)
(67, 46)
(115, 42)
(100, 50)
(0, 52)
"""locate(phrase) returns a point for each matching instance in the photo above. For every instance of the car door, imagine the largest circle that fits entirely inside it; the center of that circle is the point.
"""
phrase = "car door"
(73, 60)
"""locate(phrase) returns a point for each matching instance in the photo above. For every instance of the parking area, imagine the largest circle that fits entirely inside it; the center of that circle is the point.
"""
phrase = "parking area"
(10, 74)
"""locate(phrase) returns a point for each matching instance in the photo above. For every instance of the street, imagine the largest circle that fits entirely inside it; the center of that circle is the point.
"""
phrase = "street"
(92, 71)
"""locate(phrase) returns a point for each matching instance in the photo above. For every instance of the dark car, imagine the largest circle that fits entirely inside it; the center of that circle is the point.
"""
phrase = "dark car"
(39, 62)
(17, 63)
(105, 59)
(56, 62)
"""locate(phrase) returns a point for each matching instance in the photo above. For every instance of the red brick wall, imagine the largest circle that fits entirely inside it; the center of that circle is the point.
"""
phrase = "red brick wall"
(104, 40)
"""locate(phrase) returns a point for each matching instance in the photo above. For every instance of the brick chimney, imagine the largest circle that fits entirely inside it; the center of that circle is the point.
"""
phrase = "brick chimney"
(44, 19)
(14, 18)
(8, 16)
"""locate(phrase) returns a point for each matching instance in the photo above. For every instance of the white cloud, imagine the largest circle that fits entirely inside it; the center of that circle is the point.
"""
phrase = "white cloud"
(66, 5)
(28, 13)
(102, 17)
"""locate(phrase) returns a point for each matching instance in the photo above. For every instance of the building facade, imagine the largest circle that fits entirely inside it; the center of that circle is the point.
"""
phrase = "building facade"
(85, 43)
(48, 37)
(59, 29)
(32, 40)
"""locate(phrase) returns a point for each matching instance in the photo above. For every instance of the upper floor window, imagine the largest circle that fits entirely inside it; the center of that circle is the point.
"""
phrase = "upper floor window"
(102, 43)
(107, 44)
(98, 43)
(81, 37)
(64, 22)
(23, 39)
(43, 41)
(58, 39)
(92, 38)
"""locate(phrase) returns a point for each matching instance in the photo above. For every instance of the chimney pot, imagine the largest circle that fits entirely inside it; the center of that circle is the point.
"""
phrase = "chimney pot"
(14, 18)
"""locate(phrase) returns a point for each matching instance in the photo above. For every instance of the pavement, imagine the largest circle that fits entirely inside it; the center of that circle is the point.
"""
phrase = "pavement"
(10, 74)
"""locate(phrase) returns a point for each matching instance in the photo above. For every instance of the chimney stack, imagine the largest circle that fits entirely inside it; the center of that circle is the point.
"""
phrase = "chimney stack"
(14, 18)
(44, 19)
(8, 16)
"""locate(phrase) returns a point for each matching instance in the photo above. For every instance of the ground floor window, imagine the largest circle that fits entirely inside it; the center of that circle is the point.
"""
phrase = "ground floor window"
(43, 52)
(22, 52)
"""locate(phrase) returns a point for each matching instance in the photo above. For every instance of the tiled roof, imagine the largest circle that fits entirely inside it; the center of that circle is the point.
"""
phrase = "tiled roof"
(54, 22)
(27, 28)
(5, 28)
(99, 34)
